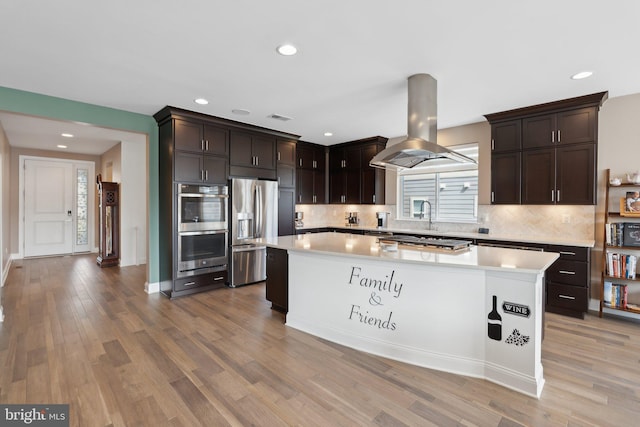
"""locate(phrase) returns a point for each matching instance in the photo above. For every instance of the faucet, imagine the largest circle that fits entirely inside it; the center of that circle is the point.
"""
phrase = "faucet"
(422, 211)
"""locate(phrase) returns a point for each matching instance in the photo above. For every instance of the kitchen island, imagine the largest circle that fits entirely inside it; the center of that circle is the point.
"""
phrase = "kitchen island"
(477, 312)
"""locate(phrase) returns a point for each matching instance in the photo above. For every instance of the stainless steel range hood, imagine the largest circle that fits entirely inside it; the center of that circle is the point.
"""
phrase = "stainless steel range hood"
(422, 129)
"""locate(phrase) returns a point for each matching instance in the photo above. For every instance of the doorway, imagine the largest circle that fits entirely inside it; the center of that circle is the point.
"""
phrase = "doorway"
(57, 206)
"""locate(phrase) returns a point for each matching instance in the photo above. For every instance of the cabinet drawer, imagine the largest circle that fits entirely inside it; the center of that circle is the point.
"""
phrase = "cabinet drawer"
(570, 252)
(569, 297)
(569, 273)
(217, 278)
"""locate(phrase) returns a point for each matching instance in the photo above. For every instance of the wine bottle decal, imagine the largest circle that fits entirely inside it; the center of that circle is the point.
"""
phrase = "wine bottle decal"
(495, 322)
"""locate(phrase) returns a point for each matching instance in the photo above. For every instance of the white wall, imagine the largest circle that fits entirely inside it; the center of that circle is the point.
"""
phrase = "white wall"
(133, 196)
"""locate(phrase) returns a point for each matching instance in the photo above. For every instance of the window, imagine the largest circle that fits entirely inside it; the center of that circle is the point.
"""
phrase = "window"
(82, 207)
(445, 190)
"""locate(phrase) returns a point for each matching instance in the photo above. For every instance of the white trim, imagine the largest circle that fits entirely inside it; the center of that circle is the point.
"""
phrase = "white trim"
(152, 288)
(5, 271)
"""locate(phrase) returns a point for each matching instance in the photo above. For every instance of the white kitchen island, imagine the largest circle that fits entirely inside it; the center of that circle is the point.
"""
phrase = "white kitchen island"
(423, 306)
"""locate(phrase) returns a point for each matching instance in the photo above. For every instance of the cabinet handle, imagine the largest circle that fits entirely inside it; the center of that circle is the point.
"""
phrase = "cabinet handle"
(374, 198)
(189, 283)
(558, 136)
(566, 297)
(493, 198)
(553, 195)
(567, 253)
(314, 164)
(558, 196)
(202, 144)
(553, 136)
(300, 162)
(206, 175)
(257, 161)
(206, 145)
(201, 175)
(493, 144)
(314, 198)
(572, 273)
(299, 198)
(218, 278)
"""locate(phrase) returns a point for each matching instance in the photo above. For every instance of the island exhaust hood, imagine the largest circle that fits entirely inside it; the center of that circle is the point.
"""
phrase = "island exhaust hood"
(422, 129)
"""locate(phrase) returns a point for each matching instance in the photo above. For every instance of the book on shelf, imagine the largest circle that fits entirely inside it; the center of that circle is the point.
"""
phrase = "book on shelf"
(621, 265)
(614, 233)
(615, 295)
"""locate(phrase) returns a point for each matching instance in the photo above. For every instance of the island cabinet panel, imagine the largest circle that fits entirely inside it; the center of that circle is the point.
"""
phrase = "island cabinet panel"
(392, 306)
(558, 138)
(277, 283)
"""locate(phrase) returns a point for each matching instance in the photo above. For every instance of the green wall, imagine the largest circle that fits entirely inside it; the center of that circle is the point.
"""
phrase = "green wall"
(34, 104)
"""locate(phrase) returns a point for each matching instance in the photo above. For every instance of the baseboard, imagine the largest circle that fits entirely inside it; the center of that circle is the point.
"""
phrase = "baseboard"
(5, 271)
(152, 288)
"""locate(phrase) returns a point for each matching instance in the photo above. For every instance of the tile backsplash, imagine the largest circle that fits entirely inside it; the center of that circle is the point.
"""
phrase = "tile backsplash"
(511, 220)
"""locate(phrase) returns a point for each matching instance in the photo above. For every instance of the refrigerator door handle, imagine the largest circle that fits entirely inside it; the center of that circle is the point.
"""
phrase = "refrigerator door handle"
(257, 212)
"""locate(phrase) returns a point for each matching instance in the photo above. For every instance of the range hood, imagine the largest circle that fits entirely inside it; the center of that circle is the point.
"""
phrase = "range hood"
(422, 129)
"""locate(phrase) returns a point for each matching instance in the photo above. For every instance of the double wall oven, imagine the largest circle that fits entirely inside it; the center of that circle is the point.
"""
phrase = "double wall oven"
(202, 239)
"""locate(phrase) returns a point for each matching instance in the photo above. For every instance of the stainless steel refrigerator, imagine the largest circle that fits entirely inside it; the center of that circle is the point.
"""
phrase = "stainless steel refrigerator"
(254, 214)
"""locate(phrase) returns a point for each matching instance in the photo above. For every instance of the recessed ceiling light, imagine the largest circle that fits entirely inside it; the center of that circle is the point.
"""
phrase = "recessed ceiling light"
(201, 101)
(61, 146)
(67, 135)
(241, 111)
(582, 75)
(287, 49)
(328, 134)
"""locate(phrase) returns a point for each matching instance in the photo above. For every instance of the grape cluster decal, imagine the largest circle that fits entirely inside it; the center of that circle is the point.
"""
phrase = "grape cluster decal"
(517, 338)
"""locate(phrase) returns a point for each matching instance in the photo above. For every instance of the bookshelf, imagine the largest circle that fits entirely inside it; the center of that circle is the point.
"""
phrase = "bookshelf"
(620, 252)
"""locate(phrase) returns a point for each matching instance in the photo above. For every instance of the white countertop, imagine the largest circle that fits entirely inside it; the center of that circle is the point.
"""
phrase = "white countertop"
(354, 245)
(564, 240)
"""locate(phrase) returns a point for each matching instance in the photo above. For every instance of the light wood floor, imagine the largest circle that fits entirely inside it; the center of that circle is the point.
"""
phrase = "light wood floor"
(91, 337)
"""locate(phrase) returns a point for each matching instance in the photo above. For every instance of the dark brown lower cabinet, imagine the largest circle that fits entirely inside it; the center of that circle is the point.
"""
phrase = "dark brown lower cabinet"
(568, 281)
(278, 279)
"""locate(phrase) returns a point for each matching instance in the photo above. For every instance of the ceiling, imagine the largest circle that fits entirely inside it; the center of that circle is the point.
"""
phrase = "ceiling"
(349, 76)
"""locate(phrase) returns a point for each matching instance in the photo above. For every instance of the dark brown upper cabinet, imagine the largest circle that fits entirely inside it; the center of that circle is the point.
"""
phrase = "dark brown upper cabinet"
(200, 138)
(566, 127)
(506, 171)
(557, 158)
(252, 155)
(351, 179)
(506, 136)
(310, 173)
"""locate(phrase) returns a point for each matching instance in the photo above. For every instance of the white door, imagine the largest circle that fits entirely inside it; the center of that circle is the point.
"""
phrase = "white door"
(48, 208)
